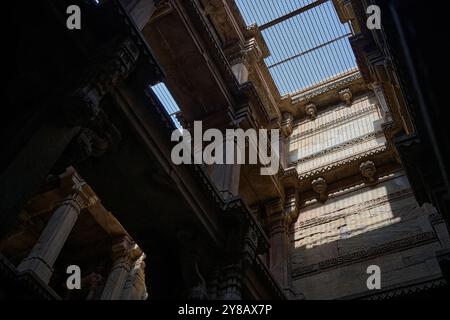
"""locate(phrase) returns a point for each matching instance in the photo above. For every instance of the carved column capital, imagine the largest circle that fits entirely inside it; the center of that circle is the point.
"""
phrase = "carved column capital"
(123, 247)
(79, 194)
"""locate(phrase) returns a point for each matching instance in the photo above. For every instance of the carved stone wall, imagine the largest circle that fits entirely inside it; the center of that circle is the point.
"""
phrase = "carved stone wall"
(334, 243)
(337, 134)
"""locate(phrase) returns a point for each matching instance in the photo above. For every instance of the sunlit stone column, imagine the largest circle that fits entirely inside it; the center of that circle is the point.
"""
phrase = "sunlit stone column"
(122, 257)
(135, 288)
(44, 254)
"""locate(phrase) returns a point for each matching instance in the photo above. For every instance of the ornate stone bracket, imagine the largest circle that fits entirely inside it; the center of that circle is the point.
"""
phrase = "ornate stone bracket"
(83, 104)
(311, 111)
(319, 186)
(346, 96)
(287, 124)
(368, 171)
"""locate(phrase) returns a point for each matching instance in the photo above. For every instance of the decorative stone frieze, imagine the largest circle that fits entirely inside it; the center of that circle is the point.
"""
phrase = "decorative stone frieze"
(368, 254)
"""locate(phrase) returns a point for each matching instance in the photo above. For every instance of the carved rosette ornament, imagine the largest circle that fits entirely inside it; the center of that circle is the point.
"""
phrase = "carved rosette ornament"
(319, 186)
(311, 111)
(346, 96)
(368, 171)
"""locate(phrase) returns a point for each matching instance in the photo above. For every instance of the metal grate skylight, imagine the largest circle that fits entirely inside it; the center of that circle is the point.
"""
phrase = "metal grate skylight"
(167, 101)
(308, 44)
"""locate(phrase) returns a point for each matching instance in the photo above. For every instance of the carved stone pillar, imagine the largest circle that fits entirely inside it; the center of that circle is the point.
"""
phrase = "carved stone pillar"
(122, 258)
(231, 287)
(44, 254)
(135, 288)
(279, 259)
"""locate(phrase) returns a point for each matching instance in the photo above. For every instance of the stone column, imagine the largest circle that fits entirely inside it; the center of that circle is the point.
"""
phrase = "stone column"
(117, 278)
(135, 288)
(44, 254)
(279, 258)
(231, 282)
